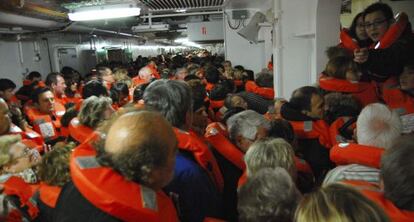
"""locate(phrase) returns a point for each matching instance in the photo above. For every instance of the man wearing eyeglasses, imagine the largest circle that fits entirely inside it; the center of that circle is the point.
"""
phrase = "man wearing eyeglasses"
(384, 62)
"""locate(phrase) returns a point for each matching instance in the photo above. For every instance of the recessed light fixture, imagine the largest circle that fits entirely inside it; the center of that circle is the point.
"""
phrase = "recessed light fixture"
(104, 12)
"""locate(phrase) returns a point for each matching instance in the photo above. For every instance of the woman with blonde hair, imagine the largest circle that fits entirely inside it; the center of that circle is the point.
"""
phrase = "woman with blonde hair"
(16, 159)
(338, 203)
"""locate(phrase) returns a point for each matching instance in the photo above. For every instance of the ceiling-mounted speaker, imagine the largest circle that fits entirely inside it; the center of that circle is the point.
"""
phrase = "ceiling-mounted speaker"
(251, 31)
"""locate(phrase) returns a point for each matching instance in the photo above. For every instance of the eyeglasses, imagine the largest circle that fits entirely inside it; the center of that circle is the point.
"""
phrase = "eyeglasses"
(375, 24)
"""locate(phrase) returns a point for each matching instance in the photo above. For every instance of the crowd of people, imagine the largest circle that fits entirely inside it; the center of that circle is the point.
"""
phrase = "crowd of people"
(194, 138)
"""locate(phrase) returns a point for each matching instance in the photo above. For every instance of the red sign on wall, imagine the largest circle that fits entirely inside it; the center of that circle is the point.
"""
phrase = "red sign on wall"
(203, 30)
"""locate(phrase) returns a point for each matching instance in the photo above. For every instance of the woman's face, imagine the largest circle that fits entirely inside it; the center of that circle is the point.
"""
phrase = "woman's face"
(22, 158)
(360, 32)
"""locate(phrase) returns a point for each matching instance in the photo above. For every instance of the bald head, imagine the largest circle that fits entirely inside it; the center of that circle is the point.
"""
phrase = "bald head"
(134, 129)
(141, 145)
(145, 73)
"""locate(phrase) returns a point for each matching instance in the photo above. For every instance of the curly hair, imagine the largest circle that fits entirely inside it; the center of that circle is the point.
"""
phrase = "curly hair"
(5, 143)
(54, 168)
(92, 111)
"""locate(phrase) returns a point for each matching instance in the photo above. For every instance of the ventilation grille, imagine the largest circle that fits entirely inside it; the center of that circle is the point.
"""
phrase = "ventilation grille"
(161, 5)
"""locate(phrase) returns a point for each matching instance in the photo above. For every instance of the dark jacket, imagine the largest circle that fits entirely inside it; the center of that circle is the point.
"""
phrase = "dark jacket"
(310, 149)
(72, 206)
(383, 63)
(194, 193)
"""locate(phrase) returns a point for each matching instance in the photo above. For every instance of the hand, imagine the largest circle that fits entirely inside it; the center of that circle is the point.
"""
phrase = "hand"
(361, 55)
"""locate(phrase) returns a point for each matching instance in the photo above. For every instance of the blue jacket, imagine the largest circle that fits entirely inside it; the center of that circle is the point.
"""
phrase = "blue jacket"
(193, 191)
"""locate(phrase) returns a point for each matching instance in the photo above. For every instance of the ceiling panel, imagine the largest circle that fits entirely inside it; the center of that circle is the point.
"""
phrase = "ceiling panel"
(163, 5)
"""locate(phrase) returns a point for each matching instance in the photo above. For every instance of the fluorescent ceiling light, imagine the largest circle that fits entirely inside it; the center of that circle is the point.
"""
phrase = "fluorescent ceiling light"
(103, 12)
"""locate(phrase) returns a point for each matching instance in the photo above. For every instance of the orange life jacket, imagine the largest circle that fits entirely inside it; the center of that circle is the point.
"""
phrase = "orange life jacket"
(396, 99)
(75, 100)
(154, 71)
(29, 137)
(16, 186)
(49, 194)
(252, 87)
(209, 86)
(242, 179)
(394, 32)
(137, 81)
(352, 153)
(216, 104)
(347, 41)
(43, 123)
(238, 83)
(374, 193)
(211, 219)
(189, 141)
(78, 131)
(365, 92)
(317, 129)
(334, 129)
(222, 144)
(113, 194)
(302, 166)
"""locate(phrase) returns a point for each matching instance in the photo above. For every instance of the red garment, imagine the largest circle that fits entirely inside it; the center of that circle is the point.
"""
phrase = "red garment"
(189, 141)
(209, 86)
(29, 137)
(334, 129)
(215, 135)
(79, 132)
(252, 87)
(374, 193)
(352, 153)
(396, 99)
(115, 195)
(16, 186)
(49, 194)
(317, 129)
(44, 124)
(363, 91)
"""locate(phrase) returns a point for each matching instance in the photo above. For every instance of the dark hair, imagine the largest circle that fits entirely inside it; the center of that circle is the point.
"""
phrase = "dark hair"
(339, 104)
(335, 51)
(219, 91)
(37, 92)
(94, 88)
(33, 75)
(139, 92)
(264, 80)
(212, 75)
(281, 128)
(120, 87)
(239, 67)
(52, 78)
(6, 84)
(301, 98)
(352, 28)
(250, 74)
(384, 8)
(337, 67)
(173, 99)
(199, 93)
(397, 173)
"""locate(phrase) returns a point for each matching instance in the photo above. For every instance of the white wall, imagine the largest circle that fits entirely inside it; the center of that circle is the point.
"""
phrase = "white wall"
(238, 50)
(10, 62)
(303, 30)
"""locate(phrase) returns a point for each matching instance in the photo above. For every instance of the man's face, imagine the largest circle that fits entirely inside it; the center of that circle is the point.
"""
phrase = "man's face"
(200, 119)
(108, 76)
(46, 102)
(317, 107)
(182, 74)
(60, 86)
(5, 120)
(244, 143)
(7, 94)
(376, 25)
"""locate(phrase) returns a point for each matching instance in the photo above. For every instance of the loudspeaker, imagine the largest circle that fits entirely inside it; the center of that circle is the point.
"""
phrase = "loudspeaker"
(251, 31)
